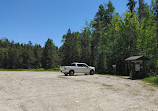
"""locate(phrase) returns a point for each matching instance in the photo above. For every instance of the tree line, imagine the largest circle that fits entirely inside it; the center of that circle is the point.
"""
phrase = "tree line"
(28, 56)
(108, 39)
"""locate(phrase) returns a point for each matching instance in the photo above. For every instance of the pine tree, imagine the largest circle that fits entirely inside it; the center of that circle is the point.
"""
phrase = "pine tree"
(5, 60)
(1, 58)
(142, 9)
(66, 48)
(12, 58)
(25, 58)
(155, 12)
(30, 53)
(38, 55)
(75, 47)
(71, 48)
(49, 55)
(131, 5)
(85, 45)
(100, 23)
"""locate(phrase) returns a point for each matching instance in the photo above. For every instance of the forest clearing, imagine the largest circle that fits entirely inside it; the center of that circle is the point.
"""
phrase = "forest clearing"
(39, 38)
(52, 91)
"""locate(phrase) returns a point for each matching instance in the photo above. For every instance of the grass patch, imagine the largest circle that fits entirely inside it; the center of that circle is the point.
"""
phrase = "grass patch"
(153, 80)
(41, 69)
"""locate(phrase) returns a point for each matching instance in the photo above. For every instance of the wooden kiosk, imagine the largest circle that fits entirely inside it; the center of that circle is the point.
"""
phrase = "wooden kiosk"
(135, 65)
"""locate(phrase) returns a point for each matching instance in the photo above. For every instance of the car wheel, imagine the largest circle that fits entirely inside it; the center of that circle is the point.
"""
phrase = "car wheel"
(66, 74)
(91, 72)
(71, 73)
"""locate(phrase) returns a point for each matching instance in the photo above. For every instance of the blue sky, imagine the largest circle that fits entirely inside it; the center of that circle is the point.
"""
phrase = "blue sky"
(38, 20)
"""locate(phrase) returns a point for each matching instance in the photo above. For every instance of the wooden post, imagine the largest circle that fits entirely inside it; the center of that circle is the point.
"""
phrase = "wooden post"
(125, 68)
(133, 70)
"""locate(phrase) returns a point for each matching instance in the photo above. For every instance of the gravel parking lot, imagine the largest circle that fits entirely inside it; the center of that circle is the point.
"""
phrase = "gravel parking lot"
(52, 91)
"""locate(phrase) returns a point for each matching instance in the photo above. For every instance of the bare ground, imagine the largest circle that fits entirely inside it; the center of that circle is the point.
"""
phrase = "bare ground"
(51, 91)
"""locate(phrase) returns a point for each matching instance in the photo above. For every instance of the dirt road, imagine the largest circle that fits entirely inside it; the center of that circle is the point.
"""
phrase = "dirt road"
(51, 91)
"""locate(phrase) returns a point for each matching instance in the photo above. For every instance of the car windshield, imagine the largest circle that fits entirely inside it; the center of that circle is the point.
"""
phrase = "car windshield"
(73, 65)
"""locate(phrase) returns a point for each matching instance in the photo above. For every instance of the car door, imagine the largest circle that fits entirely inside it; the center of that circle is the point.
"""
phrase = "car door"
(79, 68)
(85, 68)
(82, 68)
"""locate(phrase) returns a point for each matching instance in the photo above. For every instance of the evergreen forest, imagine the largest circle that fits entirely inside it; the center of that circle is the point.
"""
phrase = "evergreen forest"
(106, 40)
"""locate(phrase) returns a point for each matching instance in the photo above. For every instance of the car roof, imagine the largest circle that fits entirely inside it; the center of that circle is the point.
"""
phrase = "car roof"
(78, 63)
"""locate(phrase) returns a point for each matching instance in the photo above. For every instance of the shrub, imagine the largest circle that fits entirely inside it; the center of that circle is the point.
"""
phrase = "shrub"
(151, 80)
(156, 80)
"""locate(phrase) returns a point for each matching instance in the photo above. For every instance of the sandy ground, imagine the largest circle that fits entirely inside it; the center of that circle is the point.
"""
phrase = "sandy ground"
(52, 91)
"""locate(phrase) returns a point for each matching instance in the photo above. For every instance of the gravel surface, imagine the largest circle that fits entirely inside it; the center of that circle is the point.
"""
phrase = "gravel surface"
(52, 91)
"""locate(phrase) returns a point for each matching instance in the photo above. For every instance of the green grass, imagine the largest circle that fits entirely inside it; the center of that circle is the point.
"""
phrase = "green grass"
(153, 80)
(41, 69)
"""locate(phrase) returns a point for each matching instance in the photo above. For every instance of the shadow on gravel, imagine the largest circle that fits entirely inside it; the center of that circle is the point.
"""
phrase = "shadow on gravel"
(130, 78)
(74, 75)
